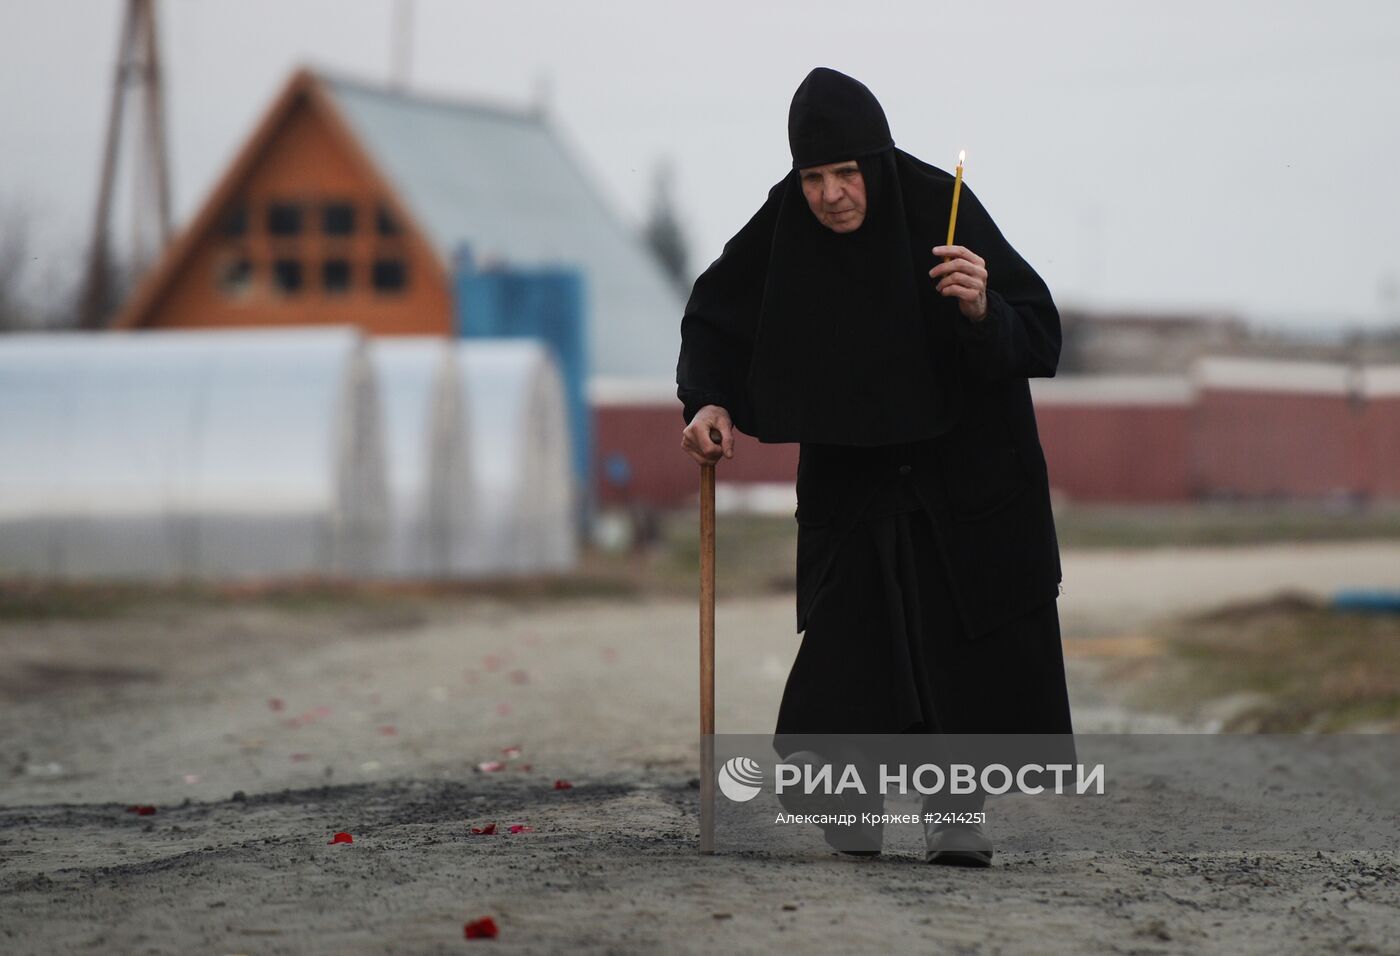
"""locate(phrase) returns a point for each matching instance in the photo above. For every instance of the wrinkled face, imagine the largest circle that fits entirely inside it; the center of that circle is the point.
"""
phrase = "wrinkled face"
(836, 193)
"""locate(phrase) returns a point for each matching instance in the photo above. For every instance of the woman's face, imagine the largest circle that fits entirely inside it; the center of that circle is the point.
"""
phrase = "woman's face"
(836, 194)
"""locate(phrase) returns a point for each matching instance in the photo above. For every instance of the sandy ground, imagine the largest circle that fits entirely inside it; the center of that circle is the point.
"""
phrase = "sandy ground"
(258, 731)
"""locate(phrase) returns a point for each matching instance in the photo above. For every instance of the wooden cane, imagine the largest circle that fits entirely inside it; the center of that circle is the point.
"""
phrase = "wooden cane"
(707, 653)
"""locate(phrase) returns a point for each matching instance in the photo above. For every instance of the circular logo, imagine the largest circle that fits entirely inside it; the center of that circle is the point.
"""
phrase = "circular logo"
(740, 778)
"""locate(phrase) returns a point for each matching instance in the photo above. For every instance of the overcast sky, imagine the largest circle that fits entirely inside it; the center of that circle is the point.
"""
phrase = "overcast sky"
(1193, 155)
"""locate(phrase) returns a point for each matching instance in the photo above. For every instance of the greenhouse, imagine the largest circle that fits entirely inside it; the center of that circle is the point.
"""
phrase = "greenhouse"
(281, 452)
(519, 450)
(202, 454)
(426, 467)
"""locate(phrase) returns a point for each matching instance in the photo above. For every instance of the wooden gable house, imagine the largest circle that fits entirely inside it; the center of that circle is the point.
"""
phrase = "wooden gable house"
(349, 203)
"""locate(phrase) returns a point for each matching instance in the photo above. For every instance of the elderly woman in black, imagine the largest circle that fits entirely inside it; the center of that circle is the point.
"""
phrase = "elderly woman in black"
(927, 563)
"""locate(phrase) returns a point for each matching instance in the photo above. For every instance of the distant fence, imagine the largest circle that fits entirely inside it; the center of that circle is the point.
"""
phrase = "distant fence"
(1232, 428)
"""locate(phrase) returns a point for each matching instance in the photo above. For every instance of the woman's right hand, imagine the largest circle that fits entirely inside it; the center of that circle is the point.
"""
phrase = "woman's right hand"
(709, 435)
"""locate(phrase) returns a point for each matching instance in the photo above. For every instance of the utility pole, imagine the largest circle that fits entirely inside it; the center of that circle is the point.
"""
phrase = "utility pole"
(137, 71)
(401, 67)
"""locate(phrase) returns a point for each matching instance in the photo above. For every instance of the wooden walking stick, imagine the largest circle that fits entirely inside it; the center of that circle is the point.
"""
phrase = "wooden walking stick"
(707, 653)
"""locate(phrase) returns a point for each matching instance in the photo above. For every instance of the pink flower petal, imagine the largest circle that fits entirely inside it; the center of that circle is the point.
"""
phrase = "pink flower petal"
(512, 751)
(389, 730)
(275, 703)
(484, 928)
(503, 709)
(490, 766)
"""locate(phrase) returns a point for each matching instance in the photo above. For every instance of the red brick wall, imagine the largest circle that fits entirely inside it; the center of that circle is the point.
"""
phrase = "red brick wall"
(1382, 447)
(649, 437)
(1120, 453)
(1245, 442)
(1264, 443)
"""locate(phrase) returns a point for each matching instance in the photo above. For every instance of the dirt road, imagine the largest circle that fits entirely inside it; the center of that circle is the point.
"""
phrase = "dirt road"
(258, 730)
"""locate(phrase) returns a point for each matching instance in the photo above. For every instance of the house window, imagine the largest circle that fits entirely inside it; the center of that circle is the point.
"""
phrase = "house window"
(284, 219)
(390, 275)
(235, 221)
(236, 276)
(286, 274)
(335, 275)
(385, 221)
(338, 219)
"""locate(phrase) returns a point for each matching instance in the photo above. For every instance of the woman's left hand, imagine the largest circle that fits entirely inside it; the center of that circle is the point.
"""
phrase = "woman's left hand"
(963, 275)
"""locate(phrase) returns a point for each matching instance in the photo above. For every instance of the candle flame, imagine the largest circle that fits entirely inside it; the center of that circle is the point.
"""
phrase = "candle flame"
(962, 155)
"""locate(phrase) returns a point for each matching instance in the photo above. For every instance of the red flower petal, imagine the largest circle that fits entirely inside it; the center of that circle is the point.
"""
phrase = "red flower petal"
(487, 830)
(524, 766)
(521, 828)
(492, 662)
(275, 703)
(563, 785)
(484, 928)
(503, 709)
(519, 677)
(141, 809)
(388, 730)
(300, 758)
(341, 837)
(610, 655)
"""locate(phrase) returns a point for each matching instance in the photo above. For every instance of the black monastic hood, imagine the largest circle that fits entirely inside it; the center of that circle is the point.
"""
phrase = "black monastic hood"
(833, 118)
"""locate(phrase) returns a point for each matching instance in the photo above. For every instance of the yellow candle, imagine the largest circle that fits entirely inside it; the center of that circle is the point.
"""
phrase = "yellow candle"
(957, 191)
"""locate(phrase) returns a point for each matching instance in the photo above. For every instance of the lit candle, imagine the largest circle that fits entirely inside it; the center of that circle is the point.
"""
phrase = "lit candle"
(957, 191)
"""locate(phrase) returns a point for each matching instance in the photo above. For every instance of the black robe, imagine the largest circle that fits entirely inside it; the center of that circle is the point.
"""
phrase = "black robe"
(927, 577)
(984, 478)
(940, 423)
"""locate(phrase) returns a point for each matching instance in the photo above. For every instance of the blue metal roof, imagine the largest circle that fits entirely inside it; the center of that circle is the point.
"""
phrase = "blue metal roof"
(502, 182)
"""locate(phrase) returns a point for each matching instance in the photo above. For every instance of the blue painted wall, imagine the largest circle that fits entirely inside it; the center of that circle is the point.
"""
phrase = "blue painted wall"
(545, 303)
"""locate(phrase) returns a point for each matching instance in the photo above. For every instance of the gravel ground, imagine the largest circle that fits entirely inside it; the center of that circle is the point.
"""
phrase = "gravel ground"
(257, 731)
